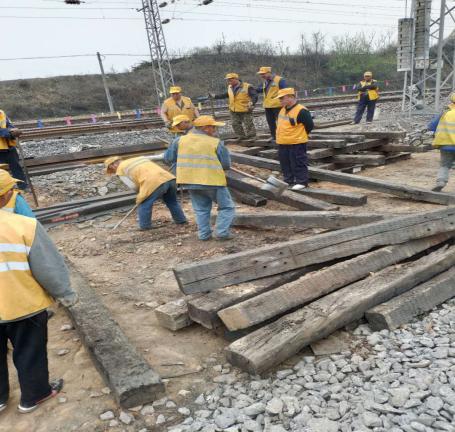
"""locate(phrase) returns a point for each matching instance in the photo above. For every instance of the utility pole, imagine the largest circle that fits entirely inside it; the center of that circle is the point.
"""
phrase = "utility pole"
(106, 88)
(439, 56)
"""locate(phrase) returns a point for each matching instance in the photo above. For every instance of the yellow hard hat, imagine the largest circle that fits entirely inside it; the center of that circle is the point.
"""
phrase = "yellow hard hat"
(207, 120)
(4, 167)
(7, 182)
(285, 92)
(175, 89)
(368, 74)
(179, 119)
(452, 97)
(264, 70)
(231, 75)
(111, 160)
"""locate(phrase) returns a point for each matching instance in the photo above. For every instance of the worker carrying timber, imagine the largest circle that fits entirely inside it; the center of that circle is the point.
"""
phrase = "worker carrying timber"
(270, 87)
(201, 159)
(444, 140)
(177, 105)
(151, 182)
(8, 152)
(293, 126)
(242, 99)
(10, 198)
(32, 274)
(368, 94)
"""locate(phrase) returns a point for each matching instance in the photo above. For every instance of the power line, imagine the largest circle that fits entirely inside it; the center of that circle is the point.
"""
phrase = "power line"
(70, 56)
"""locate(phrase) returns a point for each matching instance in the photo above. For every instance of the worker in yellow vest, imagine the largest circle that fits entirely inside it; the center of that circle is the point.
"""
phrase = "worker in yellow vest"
(14, 202)
(151, 182)
(8, 152)
(201, 159)
(242, 99)
(272, 83)
(368, 94)
(176, 105)
(32, 274)
(293, 126)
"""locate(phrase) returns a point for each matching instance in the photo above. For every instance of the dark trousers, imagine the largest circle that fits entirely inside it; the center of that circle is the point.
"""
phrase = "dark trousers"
(11, 158)
(29, 340)
(364, 102)
(294, 163)
(271, 115)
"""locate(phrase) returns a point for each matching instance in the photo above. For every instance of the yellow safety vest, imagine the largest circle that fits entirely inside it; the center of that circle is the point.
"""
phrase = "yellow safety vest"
(197, 161)
(286, 133)
(240, 101)
(20, 294)
(173, 110)
(272, 91)
(372, 94)
(5, 143)
(145, 174)
(11, 204)
(445, 132)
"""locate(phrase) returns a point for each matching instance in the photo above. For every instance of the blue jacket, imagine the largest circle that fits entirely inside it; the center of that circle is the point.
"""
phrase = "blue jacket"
(4, 132)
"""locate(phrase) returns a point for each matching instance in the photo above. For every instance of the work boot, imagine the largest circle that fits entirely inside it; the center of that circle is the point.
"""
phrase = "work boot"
(438, 188)
(56, 388)
(225, 238)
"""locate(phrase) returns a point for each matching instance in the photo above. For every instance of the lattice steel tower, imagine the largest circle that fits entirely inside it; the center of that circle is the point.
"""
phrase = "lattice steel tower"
(161, 65)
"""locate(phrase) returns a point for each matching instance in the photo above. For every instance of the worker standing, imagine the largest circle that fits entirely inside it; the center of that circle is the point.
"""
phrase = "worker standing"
(201, 159)
(32, 272)
(270, 87)
(176, 105)
(12, 199)
(8, 152)
(242, 99)
(151, 182)
(294, 125)
(368, 94)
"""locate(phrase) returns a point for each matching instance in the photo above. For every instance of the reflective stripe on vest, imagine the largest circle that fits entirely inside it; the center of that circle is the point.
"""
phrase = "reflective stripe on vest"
(372, 94)
(240, 101)
(145, 174)
(272, 91)
(20, 294)
(5, 143)
(445, 132)
(11, 204)
(197, 161)
(288, 134)
(173, 110)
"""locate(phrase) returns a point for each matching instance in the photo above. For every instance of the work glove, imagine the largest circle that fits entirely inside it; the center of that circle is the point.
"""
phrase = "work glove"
(15, 133)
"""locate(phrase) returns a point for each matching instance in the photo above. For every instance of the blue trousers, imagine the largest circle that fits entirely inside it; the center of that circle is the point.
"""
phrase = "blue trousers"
(202, 200)
(11, 158)
(168, 193)
(364, 102)
(294, 163)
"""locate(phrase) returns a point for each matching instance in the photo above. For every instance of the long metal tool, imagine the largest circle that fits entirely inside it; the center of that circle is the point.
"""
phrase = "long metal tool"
(125, 217)
(27, 175)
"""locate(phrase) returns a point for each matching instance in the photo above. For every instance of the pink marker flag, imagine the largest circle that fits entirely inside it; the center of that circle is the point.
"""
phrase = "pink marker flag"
(68, 120)
(93, 116)
(158, 110)
(306, 93)
(353, 87)
(343, 89)
(386, 83)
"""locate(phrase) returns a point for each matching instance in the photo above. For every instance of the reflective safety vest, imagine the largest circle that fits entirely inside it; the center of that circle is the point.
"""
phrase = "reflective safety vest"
(240, 101)
(288, 131)
(11, 204)
(173, 110)
(272, 91)
(20, 293)
(197, 161)
(372, 94)
(145, 174)
(5, 143)
(445, 132)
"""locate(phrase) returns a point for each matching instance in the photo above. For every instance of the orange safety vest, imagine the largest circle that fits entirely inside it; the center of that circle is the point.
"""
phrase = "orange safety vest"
(269, 100)
(372, 94)
(5, 143)
(172, 109)
(11, 204)
(288, 131)
(240, 101)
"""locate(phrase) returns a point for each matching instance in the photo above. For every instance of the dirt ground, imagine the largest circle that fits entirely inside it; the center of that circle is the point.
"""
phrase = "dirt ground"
(131, 272)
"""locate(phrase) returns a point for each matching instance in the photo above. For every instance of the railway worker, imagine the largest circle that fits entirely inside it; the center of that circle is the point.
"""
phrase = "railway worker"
(201, 159)
(183, 124)
(242, 99)
(368, 94)
(151, 182)
(176, 105)
(270, 87)
(10, 198)
(8, 152)
(444, 140)
(293, 126)
(32, 274)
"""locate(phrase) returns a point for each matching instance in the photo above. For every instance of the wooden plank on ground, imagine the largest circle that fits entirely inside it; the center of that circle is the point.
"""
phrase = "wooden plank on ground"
(320, 153)
(336, 197)
(326, 143)
(362, 159)
(314, 285)
(249, 198)
(343, 136)
(397, 157)
(274, 343)
(360, 146)
(268, 260)
(370, 134)
(402, 309)
(132, 380)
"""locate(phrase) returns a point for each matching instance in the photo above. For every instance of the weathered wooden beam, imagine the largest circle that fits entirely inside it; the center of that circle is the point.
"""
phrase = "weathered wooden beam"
(249, 198)
(336, 197)
(251, 150)
(396, 148)
(402, 309)
(255, 161)
(274, 343)
(370, 133)
(343, 136)
(397, 157)
(362, 159)
(132, 381)
(314, 285)
(319, 153)
(361, 146)
(268, 260)
(326, 143)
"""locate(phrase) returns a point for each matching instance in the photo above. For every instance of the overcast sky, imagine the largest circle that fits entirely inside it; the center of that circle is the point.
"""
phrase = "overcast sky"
(40, 28)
